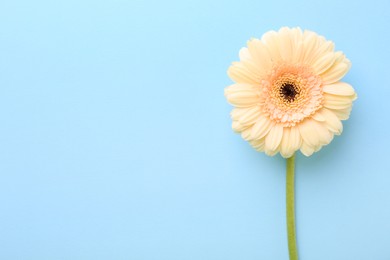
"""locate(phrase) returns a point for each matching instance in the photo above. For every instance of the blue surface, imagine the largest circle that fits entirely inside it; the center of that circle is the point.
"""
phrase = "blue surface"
(115, 138)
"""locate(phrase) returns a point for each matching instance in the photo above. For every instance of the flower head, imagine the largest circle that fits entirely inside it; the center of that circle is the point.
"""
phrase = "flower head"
(288, 95)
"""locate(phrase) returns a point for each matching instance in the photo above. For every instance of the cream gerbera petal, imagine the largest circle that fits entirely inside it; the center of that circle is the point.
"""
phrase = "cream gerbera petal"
(261, 127)
(238, 112)
(269, 152)
(306, 149)
(290, 141)
(309, 132)
(324, 135)
(270, 39)
(310, 43)
(240, 73)
(238, 128)
(258, 144)
(324, 63)
(324, 48)
(243, 98)
(274, 138)
(288, 96)
(246, 134)
(342, 114)
(338, 70)
(332, 121)
(260, 55)
(318, 117)
(337, 102)
(244, 54)
(296, 140)
(239, 87)
(251, 116)
(339, 88)
(336, 73)
(285, 43)
(242, 95)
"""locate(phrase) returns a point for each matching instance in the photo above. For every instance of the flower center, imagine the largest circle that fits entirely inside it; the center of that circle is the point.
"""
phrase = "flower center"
(288, 91)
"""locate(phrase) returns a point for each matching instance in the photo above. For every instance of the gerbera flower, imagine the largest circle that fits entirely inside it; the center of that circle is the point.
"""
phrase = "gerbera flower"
(288, 95)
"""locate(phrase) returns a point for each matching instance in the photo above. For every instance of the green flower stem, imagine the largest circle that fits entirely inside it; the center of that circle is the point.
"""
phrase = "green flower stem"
(292, 243)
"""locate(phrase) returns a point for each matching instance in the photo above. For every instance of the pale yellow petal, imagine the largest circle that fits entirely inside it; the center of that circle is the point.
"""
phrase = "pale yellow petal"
(316, 149)
(245, 134)
(286, 150)
(243, 98)
(251, 116)
(270, 39)
(270, 152)
(261, 128)
(310, 41)
(238, 87)
(306, 149)
(273, 139)
(260, 55)
(285, 44)
(324, 47)
(242, 95)
(337, 102)
(237, 127)
(309, 132)
(244, 54)
(332, 122)
(323, 63)
(258, 145)
(342, 114)
(339, 88)
(254, 69)
(319, 117)
(297, 45)
(325, 136)
(291, 141)
(297, 33)
(296, 140)
(240, 72)
(298, 53)
(337, 71)
(238, 112)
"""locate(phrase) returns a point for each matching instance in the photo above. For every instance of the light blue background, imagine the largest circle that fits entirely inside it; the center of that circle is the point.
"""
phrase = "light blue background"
(115, 138)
